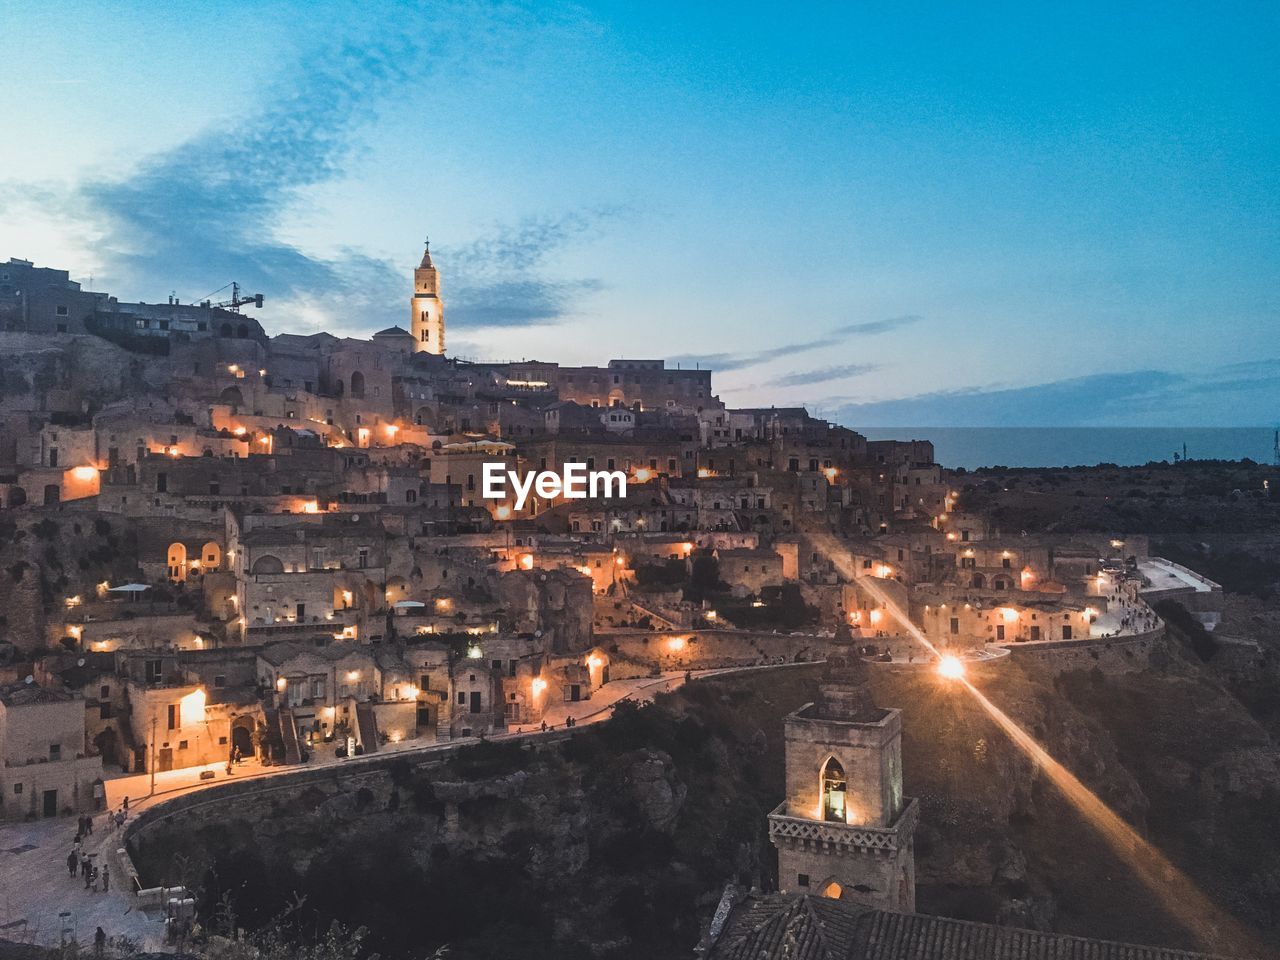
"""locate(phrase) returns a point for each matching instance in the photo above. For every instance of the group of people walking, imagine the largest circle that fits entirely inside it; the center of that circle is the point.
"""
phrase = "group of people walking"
(80, 861)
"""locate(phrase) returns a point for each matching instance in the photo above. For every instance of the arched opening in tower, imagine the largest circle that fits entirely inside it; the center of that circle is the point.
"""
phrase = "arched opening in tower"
(833, 792)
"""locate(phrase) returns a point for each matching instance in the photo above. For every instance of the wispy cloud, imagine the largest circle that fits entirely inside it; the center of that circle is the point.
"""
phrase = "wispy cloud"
(724, 362)
(1213, 397)
(210, 209)
(803, 378)
(501, 280)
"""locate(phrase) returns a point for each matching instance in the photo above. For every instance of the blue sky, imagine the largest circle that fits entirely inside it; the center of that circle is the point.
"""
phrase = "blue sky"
(925, 215)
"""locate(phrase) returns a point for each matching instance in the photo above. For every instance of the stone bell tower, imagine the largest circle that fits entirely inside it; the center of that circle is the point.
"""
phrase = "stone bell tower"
(426, 318)
(845, 830)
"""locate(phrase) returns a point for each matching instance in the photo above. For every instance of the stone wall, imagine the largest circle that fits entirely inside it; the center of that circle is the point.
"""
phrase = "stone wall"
(1126, 654)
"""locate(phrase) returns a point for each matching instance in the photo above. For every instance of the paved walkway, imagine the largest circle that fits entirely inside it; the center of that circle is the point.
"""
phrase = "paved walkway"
(35, 889)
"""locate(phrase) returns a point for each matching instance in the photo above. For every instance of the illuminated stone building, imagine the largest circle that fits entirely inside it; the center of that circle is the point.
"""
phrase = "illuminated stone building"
(426, 308)
(845, 830)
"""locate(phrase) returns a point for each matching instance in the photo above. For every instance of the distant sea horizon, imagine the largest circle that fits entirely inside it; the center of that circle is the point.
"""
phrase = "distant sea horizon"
(973, 447)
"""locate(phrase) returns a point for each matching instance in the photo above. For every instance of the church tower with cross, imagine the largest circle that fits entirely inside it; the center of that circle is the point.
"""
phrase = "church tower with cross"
(426, 318)
(845, 829)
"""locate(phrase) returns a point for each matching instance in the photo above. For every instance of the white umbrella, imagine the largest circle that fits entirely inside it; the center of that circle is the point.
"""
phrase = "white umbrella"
(130, 588)
(406, 604)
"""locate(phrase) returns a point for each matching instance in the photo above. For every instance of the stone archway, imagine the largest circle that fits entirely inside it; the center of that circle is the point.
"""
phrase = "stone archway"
(177, 559)
(357, 385)
(242, 735)
(267, 564)
(17, 497)
(233, 396)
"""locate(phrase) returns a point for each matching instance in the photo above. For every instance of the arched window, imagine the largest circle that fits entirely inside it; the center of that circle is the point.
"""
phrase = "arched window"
(833, 792)
(268, 564)
(225, 330)
(832, 890)
(979, 581)
(357, 384)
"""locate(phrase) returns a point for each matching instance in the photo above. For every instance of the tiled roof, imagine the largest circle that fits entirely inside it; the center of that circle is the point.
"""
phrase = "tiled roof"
(24, 694)
(818, 928)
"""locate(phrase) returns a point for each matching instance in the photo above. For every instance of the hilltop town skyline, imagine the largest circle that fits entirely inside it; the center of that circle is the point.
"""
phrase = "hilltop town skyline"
(1086, 228)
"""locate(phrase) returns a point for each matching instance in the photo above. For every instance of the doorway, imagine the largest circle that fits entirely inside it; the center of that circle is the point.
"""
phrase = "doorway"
(51, 803)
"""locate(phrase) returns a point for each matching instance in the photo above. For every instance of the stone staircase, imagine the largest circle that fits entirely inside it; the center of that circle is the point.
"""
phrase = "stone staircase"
(367, 728)
(289, 735)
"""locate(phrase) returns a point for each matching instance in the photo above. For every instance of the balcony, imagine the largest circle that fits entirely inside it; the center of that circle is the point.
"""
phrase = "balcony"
(786, 830)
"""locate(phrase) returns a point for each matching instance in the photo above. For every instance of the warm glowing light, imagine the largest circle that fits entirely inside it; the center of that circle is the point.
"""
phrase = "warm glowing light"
(503, 513)
(526, 561)
(73, 601)
(281, 684)
(353, 675)
(757, 603)
(676, 643)
(538, 686)
(883, 571)
(410, 693)
(687, 548)
(443, 604)
(710, 614)
(831, 474)
(950, 668)
(264, 439)
(311, 506)
(84, 473)
(594, 662)
(239, 431)
(474, 652)
(1010, 615)
(643, 475)
(620, 561)
(876, 616)
(703, 473)
(1117, 544)
(951, 535)
(191, 707)
(75, 631)
(233, 368)
(392, 429)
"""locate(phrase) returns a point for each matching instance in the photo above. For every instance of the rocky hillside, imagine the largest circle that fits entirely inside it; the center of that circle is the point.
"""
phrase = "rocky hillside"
(617, 843)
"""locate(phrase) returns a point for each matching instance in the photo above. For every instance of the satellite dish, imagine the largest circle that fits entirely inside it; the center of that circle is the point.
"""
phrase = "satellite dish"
(80, 662)
(355, 518)
(30, 679)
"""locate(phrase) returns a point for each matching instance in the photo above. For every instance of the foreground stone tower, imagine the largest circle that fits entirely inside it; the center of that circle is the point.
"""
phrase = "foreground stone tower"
(426, 309)
(845, 830)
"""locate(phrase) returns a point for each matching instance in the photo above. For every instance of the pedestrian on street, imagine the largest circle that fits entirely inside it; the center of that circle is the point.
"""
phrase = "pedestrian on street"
(88, 874)
(88, 824)
(99, 942)
(126, 806)
(93, 879)
(72, 862)
(84, 864)
(106, 877)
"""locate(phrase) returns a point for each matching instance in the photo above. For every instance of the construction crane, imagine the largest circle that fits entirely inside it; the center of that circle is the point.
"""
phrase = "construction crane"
(236, 301)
